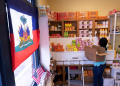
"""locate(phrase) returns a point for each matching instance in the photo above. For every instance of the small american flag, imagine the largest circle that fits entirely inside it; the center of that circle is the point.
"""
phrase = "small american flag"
(48, 75)
(40, 71)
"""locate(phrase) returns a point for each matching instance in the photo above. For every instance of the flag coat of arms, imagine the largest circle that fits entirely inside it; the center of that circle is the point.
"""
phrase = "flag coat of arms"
(24, 31)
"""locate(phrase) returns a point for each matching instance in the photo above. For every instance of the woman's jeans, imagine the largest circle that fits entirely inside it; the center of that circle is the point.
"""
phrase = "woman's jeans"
(98, 72)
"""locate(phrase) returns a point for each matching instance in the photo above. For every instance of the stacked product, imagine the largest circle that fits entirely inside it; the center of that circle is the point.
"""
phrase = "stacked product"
(69, 27)
(113, 11)
(57, 48)
(88, 72)
(93, 14)
(45, 11)
(103, 33)
(55, 36)
(103, 25)
(83, 15)
(62, 16)
(78, 45)
(83, 33)
(54, 28)
(116, 64)
(85, 24)
(72, 15)
(66, 34)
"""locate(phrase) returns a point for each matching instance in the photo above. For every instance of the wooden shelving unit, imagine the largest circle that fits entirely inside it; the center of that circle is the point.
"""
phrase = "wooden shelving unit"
(79, 76)
(76, 24)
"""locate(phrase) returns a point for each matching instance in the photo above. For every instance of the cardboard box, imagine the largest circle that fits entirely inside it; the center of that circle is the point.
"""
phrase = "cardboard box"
(88, 79)
(72, 18)
(72, 14)
(55, 14)
(102, 17)
(63, 14)
(83, 17)
(93, 16)
(93, 13)
(83, 13)
(62, 18)
(90, 53)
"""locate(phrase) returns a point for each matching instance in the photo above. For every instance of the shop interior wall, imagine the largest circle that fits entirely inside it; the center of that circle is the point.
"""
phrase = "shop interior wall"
(103, 6)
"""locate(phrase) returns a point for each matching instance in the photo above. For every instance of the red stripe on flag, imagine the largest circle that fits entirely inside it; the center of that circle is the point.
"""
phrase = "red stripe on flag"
(19, 57)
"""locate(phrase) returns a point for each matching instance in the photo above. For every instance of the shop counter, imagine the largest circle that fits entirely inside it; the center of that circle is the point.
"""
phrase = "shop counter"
(62, 58)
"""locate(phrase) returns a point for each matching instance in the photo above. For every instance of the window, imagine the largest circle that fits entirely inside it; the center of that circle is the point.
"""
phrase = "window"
(23, 74)
(29, 1)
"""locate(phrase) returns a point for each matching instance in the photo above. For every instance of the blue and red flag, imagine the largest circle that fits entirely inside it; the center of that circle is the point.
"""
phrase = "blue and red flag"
(24, 31)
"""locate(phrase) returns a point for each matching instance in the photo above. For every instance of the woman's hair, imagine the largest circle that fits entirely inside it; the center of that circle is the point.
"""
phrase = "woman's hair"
(103, 43)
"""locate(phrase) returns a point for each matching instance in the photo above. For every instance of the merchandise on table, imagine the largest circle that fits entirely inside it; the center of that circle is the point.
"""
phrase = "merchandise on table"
(57, 48)
(78, 45)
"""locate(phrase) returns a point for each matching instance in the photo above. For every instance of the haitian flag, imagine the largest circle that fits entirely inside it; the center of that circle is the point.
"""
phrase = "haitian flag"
(24, 31)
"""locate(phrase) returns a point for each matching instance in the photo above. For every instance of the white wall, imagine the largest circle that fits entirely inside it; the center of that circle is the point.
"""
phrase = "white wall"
(44, 45)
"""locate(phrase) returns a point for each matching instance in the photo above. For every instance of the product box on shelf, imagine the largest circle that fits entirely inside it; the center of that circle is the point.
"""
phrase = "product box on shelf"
(90, 22)
(62, 18)
(81, 26)
(55, 14)
(86, 22)
(86, 35)
(81, 31)
(72, 18)
(102, 17)
(93, 12)
(72, 14)
(90, 26)
(55, 18)
(83, 17)
(86, 26)
(95, 53)
(82, 13)
(93, 16)
(81, 22)
(63, 14)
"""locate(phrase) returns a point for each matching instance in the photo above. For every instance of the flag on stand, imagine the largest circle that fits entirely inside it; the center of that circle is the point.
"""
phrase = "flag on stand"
(40, 71)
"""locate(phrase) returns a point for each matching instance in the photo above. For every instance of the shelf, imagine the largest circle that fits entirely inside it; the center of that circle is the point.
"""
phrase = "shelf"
(70, 30)
(50, 19)
(76, 82)
(70, 20)
(118, 14)
(85, 28)
(101, 28)
(102, 19)
(76, 71)
(115, 33)
(55, 30)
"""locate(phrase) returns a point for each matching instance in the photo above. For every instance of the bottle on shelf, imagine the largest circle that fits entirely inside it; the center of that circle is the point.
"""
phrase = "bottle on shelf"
(105, 33)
